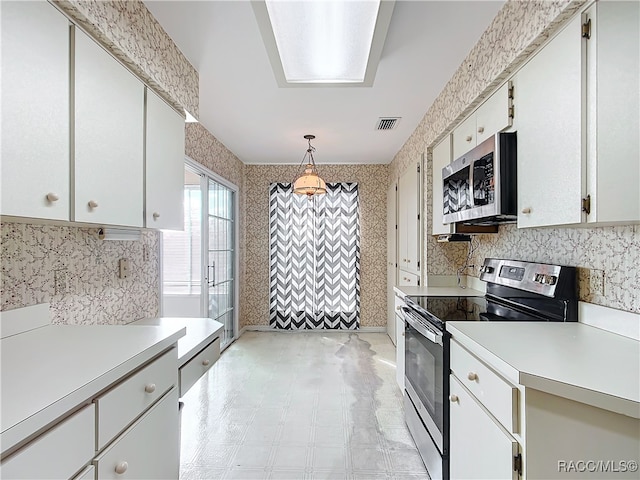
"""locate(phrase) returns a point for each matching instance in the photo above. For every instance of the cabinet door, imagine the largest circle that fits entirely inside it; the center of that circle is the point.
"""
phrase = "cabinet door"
(494, 116)
(391, 261)
(406, 279)
(164, 165)
(400, 352)
(408, 220)
(149, 449)
(441, 158)
(464, 137)
(479, 447)
(613, 93)
(550, 141)
(35, 111)
(109, 121)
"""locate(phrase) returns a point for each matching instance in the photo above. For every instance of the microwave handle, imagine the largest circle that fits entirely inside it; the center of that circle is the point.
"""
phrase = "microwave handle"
(430, 334)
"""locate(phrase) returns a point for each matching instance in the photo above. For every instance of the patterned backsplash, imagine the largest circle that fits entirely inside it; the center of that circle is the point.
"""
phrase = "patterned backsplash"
(77, 273)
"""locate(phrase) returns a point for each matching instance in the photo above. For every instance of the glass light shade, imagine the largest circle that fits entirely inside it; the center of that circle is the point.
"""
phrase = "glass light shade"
(309, 183)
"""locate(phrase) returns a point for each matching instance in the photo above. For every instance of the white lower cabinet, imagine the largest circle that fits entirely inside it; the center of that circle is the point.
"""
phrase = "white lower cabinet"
(58, 453)
(195, 368)
(400, 345)
(505, 430)
(131, 430)
(148, 449)
(480, 448)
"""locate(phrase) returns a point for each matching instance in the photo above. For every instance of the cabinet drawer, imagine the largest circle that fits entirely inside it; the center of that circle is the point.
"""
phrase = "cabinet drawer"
(58, 453)
(198, 365)
(406, 279)
(499, 397)
(149, 449)
(122, 404)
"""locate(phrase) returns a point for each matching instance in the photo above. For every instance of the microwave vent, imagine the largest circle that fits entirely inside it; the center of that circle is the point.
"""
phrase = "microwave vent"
(387, 123)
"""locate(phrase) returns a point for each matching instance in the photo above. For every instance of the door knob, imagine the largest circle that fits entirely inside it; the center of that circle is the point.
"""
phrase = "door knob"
(480, 129)
(205, 362)
(526, 210)
(150, 388)
(453, 398)
(472, 376)
(52, 197)
(156, 215)
(469, 138)
(93, 204)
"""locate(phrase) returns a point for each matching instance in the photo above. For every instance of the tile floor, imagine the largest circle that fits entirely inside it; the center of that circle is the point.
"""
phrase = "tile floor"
(299, 405)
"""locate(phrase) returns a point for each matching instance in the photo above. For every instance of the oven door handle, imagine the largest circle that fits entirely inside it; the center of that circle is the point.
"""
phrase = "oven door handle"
(432, 335)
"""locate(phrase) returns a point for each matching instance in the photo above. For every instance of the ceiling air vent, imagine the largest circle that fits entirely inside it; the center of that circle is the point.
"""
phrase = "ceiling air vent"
(387, 123)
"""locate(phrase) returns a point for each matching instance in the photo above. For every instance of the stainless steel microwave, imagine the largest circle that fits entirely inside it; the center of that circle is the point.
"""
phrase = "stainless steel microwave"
(480, 188)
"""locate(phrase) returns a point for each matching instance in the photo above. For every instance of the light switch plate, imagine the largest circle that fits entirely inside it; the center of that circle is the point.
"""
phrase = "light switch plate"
(124, 268)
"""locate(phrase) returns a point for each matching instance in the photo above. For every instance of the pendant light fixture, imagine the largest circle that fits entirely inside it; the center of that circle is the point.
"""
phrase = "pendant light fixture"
(309, 182)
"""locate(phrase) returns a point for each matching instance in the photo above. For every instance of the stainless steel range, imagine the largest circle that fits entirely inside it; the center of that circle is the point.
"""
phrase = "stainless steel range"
(516, 291)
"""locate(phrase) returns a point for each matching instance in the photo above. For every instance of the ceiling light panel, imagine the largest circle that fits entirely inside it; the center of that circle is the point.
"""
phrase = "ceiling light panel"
(323, 41)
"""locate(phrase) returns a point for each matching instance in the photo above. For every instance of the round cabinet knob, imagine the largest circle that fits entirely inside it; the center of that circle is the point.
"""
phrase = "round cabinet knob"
(53, 197)
(121, 467)
(453, 398)
(93, 204)
(408, 261)
(526, 210)
(399, 307)
(150, 388)
(156, 215)
(205, 362)
(472, 376)
(469, 138)
(480, 129)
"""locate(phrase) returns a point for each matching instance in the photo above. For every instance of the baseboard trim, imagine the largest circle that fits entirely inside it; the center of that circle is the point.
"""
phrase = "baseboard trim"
(267, 328)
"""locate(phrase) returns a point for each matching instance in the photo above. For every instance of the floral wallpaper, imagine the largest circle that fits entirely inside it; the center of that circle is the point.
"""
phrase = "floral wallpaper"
(372, 185)
(135, 37)
(77, 273)
(613, 252)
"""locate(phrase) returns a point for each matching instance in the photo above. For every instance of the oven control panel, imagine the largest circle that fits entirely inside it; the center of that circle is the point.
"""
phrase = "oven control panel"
(539, 278)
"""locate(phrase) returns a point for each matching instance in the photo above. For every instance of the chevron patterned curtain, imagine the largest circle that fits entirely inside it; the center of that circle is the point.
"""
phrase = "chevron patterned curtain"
(314, 258)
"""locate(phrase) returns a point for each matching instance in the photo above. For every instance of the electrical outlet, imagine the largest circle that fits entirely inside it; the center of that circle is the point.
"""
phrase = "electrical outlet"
(60, 282)
(596, 282)
(123, 265)
(145, 253)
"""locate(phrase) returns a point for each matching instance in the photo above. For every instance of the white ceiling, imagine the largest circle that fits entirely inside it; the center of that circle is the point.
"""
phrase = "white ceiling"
(261, 123)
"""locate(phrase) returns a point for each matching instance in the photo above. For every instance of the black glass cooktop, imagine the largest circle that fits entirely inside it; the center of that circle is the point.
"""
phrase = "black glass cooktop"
(446, 309)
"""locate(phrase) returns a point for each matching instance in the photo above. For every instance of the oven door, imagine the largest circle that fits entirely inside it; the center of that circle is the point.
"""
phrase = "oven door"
(426, 372)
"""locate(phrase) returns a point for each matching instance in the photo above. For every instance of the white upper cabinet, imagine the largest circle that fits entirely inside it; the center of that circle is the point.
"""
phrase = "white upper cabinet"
(493, 116)
(613, 96)
(164, 165)
(409, 220)
(441, 158)
(550, 111)
(35, 111)
(578, 122)
(109, 124)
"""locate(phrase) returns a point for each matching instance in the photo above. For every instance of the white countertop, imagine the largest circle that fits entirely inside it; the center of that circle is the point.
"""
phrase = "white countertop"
(570, 360)
(50, 370)
(438, 291)
(200, 332)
